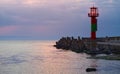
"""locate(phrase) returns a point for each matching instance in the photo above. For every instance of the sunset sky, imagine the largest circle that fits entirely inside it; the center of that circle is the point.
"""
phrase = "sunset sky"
(52, 19)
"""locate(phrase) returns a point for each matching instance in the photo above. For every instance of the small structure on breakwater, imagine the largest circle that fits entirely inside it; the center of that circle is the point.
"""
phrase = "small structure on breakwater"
(93, 14)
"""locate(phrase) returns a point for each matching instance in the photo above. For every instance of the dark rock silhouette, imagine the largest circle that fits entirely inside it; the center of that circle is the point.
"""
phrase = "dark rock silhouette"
(83, 45)
(69, 43)
(91, 69)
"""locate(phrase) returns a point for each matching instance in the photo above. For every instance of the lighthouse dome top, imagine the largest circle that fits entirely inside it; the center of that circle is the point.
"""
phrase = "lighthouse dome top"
(93, 7)
(93, 12)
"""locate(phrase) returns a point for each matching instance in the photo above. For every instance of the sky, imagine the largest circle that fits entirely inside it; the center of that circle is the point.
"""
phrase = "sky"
(53, 19)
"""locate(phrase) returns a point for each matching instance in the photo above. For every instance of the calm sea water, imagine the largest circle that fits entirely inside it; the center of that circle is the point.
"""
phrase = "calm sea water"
(40, 57)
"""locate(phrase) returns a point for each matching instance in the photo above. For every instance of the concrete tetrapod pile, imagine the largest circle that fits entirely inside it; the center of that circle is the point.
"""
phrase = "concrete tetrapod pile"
(70, 43)
(81, 46)
(76, 45)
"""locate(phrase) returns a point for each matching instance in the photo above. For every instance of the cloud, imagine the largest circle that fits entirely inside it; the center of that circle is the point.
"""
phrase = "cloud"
(52, 19)
(8, 30)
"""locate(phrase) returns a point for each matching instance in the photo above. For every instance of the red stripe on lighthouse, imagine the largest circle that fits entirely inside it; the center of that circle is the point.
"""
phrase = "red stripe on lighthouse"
(93, 35)
(93, 20)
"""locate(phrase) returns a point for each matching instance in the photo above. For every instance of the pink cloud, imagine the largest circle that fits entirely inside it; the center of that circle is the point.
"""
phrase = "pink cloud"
(7, 30)
(45, 29)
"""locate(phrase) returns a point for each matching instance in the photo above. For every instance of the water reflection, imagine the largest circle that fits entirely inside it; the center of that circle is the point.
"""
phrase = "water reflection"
(93, 63)
(40, 57)
(11, 60)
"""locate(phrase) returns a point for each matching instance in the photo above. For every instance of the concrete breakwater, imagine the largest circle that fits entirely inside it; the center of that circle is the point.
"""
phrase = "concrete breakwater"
(106, 45)
(70, 43)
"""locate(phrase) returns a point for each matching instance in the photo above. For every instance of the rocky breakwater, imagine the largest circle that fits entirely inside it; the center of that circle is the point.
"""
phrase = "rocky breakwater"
(70, 43)
(86, 45)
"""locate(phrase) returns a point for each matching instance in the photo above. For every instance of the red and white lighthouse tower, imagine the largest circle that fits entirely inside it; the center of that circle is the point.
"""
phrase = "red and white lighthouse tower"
(93, 14)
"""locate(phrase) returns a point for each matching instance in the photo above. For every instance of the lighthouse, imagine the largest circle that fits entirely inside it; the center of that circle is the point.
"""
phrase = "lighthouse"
(93, 14)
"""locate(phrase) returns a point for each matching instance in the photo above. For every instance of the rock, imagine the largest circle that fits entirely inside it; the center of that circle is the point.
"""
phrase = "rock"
(70, 43)
(91, 69)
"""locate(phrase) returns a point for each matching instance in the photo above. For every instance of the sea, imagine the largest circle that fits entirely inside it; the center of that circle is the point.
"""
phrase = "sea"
(40, 57)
